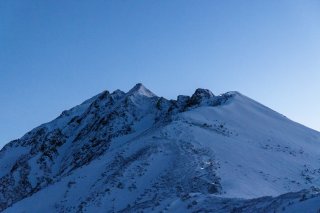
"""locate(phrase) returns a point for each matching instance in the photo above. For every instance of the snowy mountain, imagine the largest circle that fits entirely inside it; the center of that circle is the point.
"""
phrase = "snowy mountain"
(137, 152)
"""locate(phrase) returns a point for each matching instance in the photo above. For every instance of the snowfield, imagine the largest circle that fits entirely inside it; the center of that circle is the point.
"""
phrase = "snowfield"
(137, 152)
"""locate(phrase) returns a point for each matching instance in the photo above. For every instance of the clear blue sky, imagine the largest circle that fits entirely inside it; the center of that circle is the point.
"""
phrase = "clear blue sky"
(56, 54)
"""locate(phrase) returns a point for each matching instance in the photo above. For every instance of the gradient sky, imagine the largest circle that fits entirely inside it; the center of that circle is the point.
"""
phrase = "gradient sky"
(56, 54)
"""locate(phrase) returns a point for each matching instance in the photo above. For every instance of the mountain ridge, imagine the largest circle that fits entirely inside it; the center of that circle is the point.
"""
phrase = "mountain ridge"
(206, 144)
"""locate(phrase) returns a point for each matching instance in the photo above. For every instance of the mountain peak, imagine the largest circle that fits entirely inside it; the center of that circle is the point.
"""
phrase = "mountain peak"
(140, 89)
(200, 95)
(203, 93)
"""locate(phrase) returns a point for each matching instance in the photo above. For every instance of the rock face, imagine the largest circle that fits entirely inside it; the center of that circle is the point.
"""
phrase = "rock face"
(201, 95)
(127, 152)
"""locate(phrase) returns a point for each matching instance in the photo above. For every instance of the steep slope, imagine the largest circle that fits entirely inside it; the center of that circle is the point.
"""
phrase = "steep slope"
(129, 151)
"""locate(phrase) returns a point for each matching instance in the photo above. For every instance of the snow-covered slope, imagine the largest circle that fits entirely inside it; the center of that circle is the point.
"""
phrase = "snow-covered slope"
(134, 151)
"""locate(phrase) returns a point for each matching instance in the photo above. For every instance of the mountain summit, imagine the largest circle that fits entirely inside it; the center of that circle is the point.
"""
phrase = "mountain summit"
(141, 90)
(137, 152)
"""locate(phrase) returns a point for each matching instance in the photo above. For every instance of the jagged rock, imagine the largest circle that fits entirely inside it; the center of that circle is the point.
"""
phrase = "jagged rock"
(200, 95)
